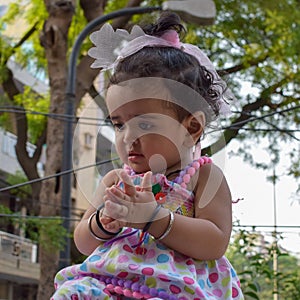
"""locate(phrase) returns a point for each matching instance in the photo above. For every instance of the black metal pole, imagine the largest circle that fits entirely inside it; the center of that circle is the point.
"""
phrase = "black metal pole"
(69, 110)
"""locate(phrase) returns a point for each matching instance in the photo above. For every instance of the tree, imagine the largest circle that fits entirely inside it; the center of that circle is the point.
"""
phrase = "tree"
(253, 41)
(252, 257)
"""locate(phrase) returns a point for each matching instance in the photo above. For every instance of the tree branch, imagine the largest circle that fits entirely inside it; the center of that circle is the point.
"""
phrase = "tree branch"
(244, 118)
(92, 9)
(121, 22)
(243, 65)
(26, 36)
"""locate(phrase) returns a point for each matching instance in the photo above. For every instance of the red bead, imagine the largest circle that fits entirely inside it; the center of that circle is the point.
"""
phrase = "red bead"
(160, 198)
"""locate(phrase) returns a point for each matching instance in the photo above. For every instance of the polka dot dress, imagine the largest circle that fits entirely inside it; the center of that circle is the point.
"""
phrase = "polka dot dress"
(118, 271)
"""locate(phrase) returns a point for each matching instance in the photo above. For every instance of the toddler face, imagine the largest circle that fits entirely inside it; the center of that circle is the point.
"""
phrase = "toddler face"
(148, 133)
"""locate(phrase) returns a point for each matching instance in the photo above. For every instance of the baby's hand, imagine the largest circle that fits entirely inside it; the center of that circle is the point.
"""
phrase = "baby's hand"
(111, 224)
(132, 207)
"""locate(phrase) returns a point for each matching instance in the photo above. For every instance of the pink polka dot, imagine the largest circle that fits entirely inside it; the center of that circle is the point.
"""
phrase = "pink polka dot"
(201, 271)
(148, 271)
(123, 258)
(175, 289)
(188, 280)
(217, 292)
(163, 278)
(123, 274)
(99, 264)
(127, 248)
(235, 292)
(223, 268)
(199, 292)
(189, 262)
(151, 253)
(133, 267)
(213, 277)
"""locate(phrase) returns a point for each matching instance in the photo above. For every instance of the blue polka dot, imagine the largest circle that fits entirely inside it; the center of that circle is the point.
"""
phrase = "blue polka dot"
(96, 292)
(94, 258)
(208, 282)
(201, 283)
(101, 250)
(79, 288)
(233, 274)
(83, 267)
(162, 258)
(161, 246)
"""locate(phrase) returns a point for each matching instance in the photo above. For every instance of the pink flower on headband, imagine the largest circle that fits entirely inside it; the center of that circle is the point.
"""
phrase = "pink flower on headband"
(172, 37)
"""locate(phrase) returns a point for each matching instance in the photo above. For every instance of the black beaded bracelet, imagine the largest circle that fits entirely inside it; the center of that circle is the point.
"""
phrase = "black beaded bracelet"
(100, 224)
(149, 223)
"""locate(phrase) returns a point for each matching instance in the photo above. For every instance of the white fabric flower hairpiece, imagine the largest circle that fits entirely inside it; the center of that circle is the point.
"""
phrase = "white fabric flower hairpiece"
(113, 46)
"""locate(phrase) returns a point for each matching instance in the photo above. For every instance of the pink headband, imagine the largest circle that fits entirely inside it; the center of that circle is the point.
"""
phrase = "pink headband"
(113, 46)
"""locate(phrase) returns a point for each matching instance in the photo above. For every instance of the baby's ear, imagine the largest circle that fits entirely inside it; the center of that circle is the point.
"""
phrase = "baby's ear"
(195, 124)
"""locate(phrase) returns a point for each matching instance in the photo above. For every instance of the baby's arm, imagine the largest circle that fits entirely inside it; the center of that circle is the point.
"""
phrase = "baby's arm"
(84, 241)
(207, 235)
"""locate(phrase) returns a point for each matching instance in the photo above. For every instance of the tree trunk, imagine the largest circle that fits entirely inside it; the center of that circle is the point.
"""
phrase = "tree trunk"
(28, 164)
(54, 39)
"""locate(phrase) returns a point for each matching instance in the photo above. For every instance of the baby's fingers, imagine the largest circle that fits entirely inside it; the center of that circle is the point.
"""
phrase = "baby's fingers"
(114, 226)
(129, 187)
(115, 194)
(105, 220)
(147, 182)
(115, 210)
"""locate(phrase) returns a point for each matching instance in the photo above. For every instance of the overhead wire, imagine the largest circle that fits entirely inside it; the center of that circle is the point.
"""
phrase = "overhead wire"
(232, 126)
(57, 174)
(74, 119)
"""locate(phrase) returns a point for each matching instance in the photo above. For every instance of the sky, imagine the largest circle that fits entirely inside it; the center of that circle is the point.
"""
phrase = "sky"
(257, 208)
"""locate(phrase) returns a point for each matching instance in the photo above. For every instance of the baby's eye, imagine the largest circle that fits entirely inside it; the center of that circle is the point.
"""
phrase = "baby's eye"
(118, 126)
(145, 126)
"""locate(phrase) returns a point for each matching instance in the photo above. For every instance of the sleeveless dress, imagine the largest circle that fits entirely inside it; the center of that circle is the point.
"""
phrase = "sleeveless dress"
(119, 269)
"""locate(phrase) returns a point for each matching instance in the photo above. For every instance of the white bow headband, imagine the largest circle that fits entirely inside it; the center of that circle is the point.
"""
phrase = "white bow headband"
(113, 46)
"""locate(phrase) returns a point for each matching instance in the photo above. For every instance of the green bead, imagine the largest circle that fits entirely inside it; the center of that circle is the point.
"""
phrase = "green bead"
(156, 188)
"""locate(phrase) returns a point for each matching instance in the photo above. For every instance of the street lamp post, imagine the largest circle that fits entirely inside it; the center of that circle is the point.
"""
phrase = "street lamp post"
(201, 12)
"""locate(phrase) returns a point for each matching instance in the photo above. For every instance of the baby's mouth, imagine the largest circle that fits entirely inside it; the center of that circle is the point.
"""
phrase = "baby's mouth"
(134, 155)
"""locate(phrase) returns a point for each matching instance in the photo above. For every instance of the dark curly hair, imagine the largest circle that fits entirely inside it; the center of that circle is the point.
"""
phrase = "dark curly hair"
(172, 63)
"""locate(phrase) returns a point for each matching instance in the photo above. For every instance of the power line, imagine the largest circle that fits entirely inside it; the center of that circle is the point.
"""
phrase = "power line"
(65, 117)
(78, 219)
(57, 174)
(232, 126)
(54, 218)
(59, 117)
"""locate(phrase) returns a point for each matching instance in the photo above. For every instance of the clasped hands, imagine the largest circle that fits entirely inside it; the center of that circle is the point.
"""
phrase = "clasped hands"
(131, 207)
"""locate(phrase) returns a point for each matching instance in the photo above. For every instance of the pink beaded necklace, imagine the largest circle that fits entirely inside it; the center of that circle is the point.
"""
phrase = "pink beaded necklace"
(186, 174)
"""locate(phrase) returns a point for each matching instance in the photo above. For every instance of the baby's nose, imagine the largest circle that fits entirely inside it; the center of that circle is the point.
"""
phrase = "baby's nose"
(130, 135)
